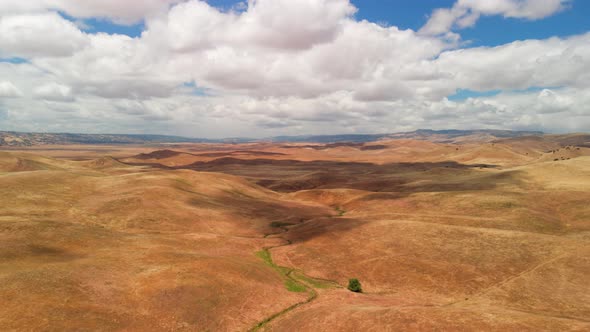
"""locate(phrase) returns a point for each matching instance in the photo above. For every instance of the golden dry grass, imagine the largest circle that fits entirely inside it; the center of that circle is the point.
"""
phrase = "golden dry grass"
(491, 236)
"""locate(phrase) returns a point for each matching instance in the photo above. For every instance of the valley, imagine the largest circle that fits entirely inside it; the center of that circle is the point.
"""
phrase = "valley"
(475, 234)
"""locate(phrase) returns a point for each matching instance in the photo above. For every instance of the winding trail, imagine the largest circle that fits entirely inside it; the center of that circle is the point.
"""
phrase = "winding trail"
(313, 293)
(288, 273)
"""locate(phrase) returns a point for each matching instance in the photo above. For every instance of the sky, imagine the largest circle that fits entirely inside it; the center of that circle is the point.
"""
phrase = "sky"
(261, 68)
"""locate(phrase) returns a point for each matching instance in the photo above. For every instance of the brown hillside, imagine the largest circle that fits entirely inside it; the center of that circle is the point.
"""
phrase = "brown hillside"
(243, 237)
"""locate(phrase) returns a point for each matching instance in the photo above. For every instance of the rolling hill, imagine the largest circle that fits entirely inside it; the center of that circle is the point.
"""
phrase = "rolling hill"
(462, 235)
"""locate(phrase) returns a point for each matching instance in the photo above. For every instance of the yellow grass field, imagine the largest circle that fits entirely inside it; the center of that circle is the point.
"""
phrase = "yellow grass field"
(265, 236)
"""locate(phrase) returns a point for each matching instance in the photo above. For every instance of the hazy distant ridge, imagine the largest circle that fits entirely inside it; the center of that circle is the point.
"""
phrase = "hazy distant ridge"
(29, 139)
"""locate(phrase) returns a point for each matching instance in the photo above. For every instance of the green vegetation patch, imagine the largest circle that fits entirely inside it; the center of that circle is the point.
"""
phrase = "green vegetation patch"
(316, 283)
(265, 256)
(293, 286)
(340, 211)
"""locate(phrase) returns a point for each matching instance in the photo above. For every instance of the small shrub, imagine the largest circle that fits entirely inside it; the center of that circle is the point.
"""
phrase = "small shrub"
(354, 285)
(340, 211)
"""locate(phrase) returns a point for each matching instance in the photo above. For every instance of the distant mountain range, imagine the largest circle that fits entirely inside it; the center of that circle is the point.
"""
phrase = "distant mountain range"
(421, 134)
(29, 139)
(451, 136)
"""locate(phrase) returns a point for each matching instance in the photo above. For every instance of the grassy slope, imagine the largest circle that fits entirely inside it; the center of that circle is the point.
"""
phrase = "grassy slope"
(436, 245)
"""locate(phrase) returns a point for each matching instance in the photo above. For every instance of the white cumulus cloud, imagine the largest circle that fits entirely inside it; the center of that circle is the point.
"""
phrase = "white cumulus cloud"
(54, 92)
(119, 11)
(281, 67)
(465, 13)
(43, 34)
(8, 90)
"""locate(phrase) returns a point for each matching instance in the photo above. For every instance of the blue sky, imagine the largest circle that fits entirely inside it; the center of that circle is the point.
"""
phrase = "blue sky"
(495, 30)
(489, 30)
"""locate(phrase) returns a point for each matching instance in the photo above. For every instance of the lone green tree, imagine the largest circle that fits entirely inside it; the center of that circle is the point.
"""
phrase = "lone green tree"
(354, 285)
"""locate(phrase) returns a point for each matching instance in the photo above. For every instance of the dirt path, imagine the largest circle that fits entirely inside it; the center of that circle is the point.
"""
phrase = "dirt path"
(314, 294)
(288, 273)
(518, 275)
